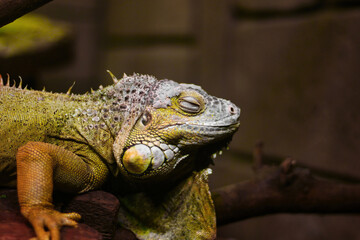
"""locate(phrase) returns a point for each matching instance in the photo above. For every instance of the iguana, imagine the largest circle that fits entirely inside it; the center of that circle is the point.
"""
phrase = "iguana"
(136, 132)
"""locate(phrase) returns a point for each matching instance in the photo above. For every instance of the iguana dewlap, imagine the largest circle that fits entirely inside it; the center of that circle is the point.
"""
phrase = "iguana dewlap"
(140, 130)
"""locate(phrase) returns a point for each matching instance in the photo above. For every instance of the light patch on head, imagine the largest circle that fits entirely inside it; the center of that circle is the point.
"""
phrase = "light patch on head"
(162, 103)
(166, 89)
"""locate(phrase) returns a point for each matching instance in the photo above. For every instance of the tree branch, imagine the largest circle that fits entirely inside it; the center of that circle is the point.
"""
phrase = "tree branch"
(284, 189)
(13, 9)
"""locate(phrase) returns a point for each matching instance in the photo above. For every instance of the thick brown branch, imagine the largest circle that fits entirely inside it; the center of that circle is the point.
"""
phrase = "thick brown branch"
(280, 190)
(13, 9)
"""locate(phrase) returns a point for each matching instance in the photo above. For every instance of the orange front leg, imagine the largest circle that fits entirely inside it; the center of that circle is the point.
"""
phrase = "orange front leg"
(40, 167)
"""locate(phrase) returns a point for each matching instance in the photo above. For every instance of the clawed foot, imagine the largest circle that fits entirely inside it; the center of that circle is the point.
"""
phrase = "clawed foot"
(47, 222)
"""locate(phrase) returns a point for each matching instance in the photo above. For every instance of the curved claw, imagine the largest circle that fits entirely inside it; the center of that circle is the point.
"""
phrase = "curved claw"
(43, 218)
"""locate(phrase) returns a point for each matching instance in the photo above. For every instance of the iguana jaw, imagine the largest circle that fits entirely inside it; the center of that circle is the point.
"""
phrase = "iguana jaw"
(153, 161)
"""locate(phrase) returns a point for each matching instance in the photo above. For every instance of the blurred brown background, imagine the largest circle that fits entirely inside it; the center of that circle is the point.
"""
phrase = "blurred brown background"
(293, 67)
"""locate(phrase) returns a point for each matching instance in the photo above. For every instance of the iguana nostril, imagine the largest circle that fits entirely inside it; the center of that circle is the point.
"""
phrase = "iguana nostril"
(232, 110)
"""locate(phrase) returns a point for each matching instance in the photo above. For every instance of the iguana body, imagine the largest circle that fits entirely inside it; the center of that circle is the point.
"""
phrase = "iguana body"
(138, 130)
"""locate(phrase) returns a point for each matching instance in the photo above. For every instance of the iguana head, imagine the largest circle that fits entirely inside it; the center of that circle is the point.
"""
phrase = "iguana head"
(170, 127)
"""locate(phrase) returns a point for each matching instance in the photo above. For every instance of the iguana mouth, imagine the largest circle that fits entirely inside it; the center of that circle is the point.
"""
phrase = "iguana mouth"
(209, 125)
(205, 130)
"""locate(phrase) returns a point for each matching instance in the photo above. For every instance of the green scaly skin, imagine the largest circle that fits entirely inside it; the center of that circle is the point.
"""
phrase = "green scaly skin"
(136, 132)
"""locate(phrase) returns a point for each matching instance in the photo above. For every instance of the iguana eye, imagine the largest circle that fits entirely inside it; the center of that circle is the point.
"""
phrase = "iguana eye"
(189, 104)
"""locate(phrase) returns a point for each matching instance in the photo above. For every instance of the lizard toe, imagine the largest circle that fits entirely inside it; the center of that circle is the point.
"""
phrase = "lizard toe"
(44, 219)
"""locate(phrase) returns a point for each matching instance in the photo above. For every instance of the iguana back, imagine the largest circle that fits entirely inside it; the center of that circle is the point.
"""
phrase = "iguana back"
(27, 115)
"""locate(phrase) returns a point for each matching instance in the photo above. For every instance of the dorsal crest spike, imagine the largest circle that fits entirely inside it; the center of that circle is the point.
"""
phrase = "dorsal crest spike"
(92, 90)
(8, 80)
(20, 83)
(44, 89)
(113, 77)
(14, 85)
(124, 75)
(69, 91)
